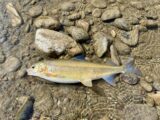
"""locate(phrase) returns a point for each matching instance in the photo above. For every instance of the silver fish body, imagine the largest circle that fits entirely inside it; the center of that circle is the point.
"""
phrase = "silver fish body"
(73, 71)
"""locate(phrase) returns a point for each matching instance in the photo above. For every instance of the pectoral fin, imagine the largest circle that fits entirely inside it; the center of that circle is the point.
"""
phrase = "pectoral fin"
(110, 79)
(87, 82)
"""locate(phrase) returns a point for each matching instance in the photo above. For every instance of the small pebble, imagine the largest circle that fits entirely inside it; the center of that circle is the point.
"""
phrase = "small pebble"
(16, 19)
(2, 57)
(114, 55)
(113, 33)
(155, 97)
(35, 11)
(111, 14)
(122, 48)
(121, 23)
(97, 12)
(156, 85)
(150, 101)
(146, 86)
(99, 3)
(100, 43)
(83, 24)
(11, 64)
(129, 78)
(149, 23)
(67, 6)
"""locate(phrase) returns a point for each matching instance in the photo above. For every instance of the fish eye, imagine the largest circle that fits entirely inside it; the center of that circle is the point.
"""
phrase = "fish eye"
(33, 67)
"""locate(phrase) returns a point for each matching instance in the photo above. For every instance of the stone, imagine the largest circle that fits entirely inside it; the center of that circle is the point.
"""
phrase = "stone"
(16, 19)
(114, 55)
(77, 33)
(156, 85)
(122, 48)
(67, 6)
(83, 24)
(2, 57)
(100, 43)
(50, 41)
(35, 11)
(129, 78)
(146, 86)
(99, 3)
(111, 14)
(130, 38)
(140, 112)
(66, 22)
(121, 23)
(11, 64)
(74, 16)
(96, 13)
(46, 22)
(3, 35)
(149, 23)
(155, 97)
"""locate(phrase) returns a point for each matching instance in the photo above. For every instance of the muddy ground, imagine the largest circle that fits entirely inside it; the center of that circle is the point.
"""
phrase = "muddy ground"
(77, 102)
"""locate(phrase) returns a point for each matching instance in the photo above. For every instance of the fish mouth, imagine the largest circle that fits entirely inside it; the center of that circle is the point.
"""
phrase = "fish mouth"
(31, 72)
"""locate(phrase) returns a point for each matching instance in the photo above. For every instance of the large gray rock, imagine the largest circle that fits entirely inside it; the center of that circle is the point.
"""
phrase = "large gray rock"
(100, 43)
(140, 112)
(111, 13)
(16, 19)
(50, 41)
(121, 23)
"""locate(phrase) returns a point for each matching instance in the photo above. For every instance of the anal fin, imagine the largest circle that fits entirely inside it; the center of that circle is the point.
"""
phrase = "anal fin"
(87, 82)
(110, 79)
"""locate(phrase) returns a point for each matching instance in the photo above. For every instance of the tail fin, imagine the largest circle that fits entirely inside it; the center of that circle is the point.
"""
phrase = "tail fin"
(130, 68)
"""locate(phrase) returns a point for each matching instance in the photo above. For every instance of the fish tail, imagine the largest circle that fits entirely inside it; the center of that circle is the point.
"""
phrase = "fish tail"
(129, 67)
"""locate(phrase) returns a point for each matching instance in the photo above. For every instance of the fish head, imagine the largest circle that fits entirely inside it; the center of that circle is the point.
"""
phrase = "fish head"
(36, 69)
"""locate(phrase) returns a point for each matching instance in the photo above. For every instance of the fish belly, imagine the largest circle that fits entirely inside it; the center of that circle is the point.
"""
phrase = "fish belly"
(59, 80)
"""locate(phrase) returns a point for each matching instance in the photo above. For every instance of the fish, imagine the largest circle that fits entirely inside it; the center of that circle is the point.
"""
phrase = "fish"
(78, 71)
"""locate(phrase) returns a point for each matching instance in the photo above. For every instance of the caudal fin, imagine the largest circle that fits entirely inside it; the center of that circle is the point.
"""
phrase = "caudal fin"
(129, 67)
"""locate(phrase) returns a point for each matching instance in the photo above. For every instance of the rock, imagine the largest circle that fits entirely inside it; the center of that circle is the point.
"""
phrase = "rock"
(140, 112)
(77, 33)
(11, 64)
(16, 19)
(26, 110)
(97, 12)
(66, 22)
(122, 48)
(75, 50)
(137, 4)
(113, 33)
(21, 73)
(150, 101)
(155, 97)
(121, 23)
(149, 23)
(148, 79)
(83, 24)
(99, 3)
(2, 57)
(110, 14)
(67, 6)
(74, 16)
(130, 38)
(129, 78)
(100, 43)
(146, 86)
(50, 41)
(35, 11)
(156, 85)
(46, 22)
(3, 35)
(114, 55)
